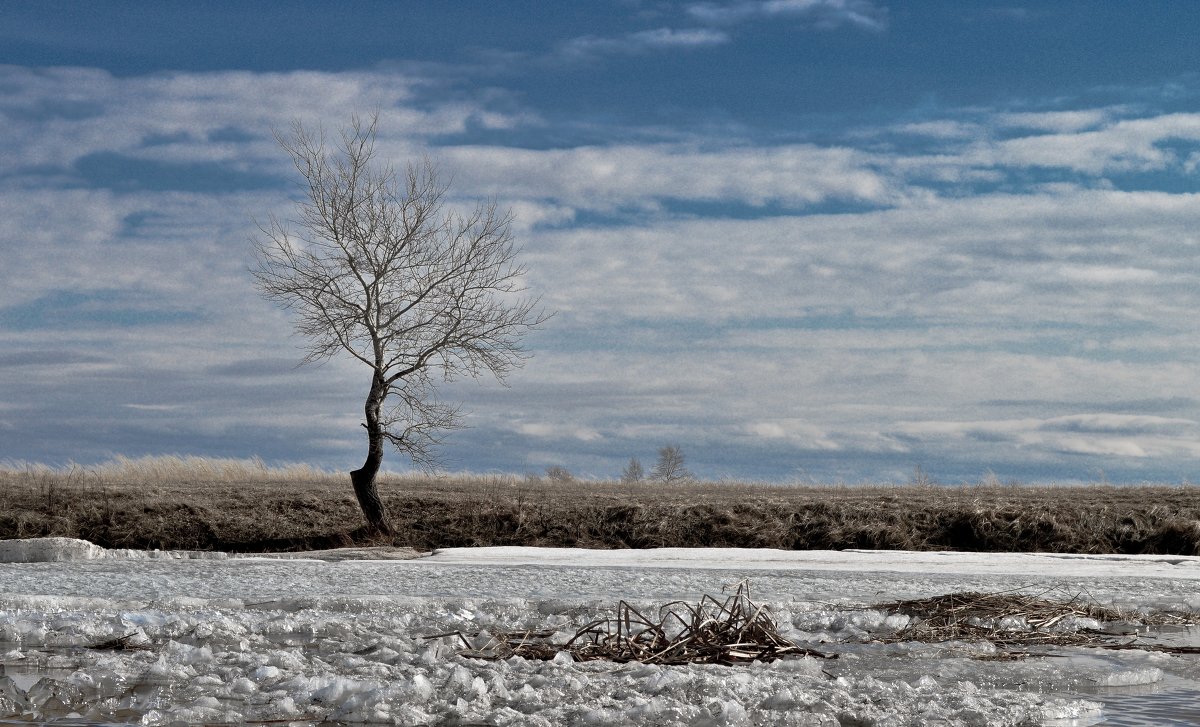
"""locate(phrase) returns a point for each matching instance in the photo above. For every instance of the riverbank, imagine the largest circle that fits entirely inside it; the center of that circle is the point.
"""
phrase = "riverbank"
(249, 510)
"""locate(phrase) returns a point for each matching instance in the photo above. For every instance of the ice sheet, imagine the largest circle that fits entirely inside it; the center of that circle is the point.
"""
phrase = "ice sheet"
(243, 639)
(898, 561)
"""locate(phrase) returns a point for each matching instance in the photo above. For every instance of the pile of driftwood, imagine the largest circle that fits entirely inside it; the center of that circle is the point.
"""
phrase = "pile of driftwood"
(1016, 619)
(734, 630)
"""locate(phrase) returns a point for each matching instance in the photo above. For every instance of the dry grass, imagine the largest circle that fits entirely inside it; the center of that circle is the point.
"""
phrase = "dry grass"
(206, 504)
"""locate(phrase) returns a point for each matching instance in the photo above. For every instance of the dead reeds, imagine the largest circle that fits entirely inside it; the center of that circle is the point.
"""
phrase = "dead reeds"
(136, 641)
(728, 631)
(1020, 620)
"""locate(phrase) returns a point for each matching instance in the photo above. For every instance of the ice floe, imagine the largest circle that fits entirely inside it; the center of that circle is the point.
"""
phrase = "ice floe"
(239, 640)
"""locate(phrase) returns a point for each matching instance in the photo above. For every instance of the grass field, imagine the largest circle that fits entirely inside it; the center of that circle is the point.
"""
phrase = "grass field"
(236, 505)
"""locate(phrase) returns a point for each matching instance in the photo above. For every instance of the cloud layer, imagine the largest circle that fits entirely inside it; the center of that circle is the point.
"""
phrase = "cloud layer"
(982, 289)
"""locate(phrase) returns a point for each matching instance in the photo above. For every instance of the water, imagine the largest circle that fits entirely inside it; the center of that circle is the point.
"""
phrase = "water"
(1173, 701)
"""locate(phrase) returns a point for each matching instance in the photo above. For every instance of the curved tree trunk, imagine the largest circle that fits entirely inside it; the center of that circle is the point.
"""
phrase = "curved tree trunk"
(363, 478)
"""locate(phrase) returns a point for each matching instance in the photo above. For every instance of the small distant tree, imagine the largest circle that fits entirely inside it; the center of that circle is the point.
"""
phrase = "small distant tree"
(559, 475)
(921, 478)
(669, 467)
(633, 472)
(374, 266)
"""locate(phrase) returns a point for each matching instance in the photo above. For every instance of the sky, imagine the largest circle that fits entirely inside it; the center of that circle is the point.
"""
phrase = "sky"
(803, 240)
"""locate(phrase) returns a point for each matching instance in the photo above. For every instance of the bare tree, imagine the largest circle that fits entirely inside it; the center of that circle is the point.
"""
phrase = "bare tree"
(559, 475)
(669, 467)
(633, 472)
(375, 266)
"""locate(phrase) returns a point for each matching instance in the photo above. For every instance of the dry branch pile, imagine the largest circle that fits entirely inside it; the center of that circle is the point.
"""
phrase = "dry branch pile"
(1019, 620)
(731, 631)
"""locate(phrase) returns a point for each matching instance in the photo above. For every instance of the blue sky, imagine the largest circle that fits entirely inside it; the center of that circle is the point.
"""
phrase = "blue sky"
(805, 240)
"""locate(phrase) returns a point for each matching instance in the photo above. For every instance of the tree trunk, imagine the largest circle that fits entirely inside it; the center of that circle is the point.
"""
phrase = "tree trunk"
(363, 478)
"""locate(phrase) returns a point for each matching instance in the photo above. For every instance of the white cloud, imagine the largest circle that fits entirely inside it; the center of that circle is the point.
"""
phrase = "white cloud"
(1102, 434)
(1104, 274)
(121, 114)
(1105, 447)
(943, 129)
(824, 14)
(1087, 142)
(1130, 145)
(1118, 423)
(643, 41)
(976, 261)
(546, 430)
(1058, 121)
(1192, 163)
(801, 435)
(155, 407)
(614, 176)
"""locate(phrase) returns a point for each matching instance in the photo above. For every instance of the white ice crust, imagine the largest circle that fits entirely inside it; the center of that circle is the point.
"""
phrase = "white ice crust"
(56, 550)
(48, 550)
(239, 640)
(900, 561)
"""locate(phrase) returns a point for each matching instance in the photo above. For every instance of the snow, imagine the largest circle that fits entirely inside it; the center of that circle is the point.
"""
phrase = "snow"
(239, 639)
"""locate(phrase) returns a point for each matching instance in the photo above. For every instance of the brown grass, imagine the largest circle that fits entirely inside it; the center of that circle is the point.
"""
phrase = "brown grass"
(204, 504)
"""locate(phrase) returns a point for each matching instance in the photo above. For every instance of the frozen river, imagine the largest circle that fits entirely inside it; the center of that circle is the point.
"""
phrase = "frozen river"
(236, 640)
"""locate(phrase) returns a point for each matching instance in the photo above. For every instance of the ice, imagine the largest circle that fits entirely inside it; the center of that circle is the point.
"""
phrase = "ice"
(1131, 677)
(50, 550)
(898, 561)
(41, 550)
(665, 680)
(236, 640)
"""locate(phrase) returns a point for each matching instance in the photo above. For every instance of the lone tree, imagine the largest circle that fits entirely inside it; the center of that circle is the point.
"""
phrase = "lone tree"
(376, 266)
(669, 467)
